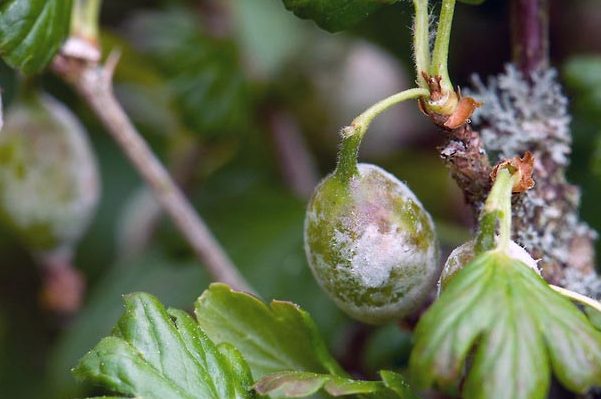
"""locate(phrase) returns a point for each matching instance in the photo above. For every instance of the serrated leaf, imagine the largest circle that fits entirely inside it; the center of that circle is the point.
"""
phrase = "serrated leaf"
(299, 384)
(159, 354)
(272, 338)
(335, 15)
(32, 31)
(519, 329)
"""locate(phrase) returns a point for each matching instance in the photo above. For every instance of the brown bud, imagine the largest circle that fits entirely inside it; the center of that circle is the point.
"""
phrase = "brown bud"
(462, 113)
(524, 166)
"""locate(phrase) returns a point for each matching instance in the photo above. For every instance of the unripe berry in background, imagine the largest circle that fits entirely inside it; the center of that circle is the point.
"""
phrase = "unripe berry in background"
(49, 184)
(371, 245)
(464, 254)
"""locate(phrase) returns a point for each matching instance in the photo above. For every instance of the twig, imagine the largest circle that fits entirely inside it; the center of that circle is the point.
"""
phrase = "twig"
(468, 162)
(463, 153)
(530, 34)
(296, 161)
(137, 234)
(94, 84)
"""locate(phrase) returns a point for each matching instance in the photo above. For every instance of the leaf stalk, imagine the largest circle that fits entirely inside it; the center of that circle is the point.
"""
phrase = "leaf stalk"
(579, 298)
(421, 41)
(440, 55)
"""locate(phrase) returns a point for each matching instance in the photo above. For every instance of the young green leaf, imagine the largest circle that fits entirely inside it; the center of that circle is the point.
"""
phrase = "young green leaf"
(300, 384)
(32, 31)
(334, 15)
(160, 354)
(518, 328)
(273, 338)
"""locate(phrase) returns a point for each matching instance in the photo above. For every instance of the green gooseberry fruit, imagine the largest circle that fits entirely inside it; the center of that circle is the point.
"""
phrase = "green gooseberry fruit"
(49, 184)
(464, 254)
(370, 243)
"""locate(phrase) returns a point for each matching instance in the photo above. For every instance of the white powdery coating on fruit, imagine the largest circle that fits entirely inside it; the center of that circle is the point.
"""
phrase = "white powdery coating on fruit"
(368, 256)
(374, 255)
(67, 158)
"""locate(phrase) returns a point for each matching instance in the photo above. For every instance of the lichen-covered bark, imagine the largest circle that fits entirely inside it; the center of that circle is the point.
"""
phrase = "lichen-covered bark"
(527, 113)
(530, 113)
(524, 109)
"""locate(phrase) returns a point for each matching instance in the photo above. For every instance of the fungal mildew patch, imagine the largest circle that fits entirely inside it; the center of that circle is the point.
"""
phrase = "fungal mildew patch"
(371, 245)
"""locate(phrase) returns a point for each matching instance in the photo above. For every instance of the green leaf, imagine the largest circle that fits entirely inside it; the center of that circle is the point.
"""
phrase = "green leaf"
(397, 384)
(32, 31)
(518, 328)
(159, 354)
(299, 384)
(274, 338)
(335, 15)
(204, 73)
(594, 316)
(583, 76)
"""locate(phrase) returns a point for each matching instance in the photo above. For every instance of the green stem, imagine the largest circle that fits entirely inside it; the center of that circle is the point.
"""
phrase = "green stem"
(421, 40)
(576, 297)
(352, 135)
(85, 19)
(497, 208)
(440, 56)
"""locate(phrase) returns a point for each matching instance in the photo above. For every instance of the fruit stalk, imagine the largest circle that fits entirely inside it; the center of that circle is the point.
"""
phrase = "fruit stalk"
(352, 135)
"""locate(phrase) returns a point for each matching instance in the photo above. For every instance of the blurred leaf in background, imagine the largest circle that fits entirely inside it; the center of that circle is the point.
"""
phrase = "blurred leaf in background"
(582, 75)
(203, 71)
(335, 15)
